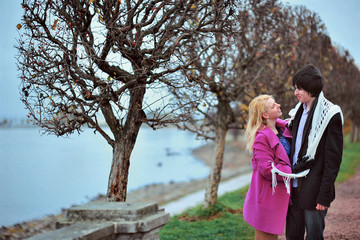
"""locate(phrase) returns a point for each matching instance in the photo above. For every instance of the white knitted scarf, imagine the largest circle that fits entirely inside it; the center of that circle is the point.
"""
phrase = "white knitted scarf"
(324, 111)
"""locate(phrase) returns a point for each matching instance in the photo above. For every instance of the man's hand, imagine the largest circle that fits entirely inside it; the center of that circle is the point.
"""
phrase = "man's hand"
(321, 207)
(301, 165)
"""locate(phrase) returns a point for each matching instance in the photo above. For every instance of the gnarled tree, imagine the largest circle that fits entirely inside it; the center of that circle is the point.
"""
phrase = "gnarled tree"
(85, 61)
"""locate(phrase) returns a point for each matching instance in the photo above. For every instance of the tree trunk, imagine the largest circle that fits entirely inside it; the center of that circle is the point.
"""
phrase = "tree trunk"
(354, 132)
(117, 188)
(224, 117)
(125, 138)
(217, 162)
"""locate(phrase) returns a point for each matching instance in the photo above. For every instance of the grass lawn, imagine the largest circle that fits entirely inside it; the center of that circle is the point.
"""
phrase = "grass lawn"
(222, 221)
(225, 220)
(350, 161)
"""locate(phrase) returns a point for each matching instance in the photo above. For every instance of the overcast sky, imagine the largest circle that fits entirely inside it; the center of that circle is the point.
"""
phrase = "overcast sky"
(341, 18)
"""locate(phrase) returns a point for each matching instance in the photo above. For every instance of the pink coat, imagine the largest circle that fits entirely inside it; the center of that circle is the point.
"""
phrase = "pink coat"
(264, 210)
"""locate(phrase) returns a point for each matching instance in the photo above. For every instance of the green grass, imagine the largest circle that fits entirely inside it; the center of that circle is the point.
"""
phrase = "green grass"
(231, 226)
(227, 226)
(350, 161)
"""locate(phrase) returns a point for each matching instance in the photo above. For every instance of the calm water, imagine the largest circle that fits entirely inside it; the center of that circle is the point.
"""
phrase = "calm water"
(40, 174)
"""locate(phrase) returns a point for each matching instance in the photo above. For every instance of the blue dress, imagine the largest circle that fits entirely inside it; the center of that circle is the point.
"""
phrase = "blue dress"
(284, 142)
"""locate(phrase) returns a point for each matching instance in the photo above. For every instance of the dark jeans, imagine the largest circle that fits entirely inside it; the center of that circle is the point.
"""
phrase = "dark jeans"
(298, 220)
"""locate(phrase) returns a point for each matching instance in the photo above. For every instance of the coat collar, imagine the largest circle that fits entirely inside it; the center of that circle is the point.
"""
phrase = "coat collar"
(273, 139)
(283, 125)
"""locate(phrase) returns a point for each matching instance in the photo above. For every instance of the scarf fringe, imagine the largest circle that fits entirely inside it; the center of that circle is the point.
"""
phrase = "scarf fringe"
(286, 177)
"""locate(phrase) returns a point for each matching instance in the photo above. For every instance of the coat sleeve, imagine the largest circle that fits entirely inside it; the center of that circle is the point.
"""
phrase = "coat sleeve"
(333, 156)
(265, 156)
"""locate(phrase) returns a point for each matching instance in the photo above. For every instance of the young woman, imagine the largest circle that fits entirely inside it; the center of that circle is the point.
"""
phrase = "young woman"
(268, 139)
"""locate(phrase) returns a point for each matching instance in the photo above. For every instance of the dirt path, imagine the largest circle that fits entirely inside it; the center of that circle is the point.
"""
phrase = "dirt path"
(343, 218)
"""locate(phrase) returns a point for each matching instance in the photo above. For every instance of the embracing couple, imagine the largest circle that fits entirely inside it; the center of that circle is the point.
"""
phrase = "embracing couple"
(295, 162)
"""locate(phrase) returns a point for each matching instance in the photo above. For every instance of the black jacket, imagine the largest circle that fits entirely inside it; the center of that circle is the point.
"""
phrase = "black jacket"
(319, 185)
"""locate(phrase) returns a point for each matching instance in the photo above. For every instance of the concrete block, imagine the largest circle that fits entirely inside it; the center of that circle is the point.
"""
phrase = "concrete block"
(111, 211)
(142, 225)
(79, 231)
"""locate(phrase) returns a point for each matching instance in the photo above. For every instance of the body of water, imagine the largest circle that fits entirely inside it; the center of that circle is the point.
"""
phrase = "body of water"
(41, 174)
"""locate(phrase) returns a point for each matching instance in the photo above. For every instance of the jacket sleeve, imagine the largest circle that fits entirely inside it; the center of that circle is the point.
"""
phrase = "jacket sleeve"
(333, 156)
(265, 156)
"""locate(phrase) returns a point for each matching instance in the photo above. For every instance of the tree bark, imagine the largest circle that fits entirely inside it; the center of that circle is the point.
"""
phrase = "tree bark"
(119, 171)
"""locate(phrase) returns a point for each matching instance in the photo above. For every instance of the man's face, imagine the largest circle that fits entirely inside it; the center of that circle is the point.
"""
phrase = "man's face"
(302, 95)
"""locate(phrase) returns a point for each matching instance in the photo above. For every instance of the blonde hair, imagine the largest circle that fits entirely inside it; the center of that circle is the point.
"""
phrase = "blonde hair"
(256, 108)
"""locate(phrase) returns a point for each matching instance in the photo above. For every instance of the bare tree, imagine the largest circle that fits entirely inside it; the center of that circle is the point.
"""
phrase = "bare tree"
(85, 61)
(229, 74)
(259, 53)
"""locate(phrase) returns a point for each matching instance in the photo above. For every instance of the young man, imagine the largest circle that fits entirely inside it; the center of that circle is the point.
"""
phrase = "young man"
(317, 145)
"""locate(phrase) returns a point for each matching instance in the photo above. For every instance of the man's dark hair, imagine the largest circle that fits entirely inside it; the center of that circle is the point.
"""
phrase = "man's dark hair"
(310, 79)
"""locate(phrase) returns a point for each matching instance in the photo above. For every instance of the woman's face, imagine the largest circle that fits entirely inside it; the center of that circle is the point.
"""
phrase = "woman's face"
(273, 110)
